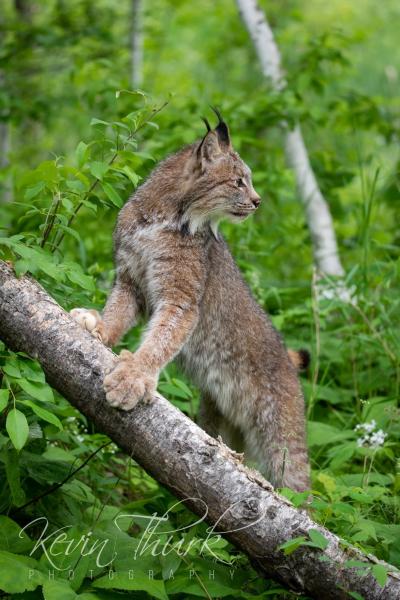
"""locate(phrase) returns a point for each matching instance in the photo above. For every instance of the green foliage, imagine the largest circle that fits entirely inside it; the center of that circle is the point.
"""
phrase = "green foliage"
(81, 142)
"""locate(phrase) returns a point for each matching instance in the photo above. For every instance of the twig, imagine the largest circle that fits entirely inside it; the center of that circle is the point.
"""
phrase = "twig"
(154, 112)
(56, 486)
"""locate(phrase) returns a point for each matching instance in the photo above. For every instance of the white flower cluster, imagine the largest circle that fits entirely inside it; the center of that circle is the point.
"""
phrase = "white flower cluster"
(371, 436)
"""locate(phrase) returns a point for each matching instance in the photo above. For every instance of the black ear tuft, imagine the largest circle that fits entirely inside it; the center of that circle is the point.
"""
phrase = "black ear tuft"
(217, 112)
(222, 130)
(206, 123)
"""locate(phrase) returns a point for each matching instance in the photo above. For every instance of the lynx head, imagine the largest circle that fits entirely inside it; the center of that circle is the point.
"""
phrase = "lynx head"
(218, 181)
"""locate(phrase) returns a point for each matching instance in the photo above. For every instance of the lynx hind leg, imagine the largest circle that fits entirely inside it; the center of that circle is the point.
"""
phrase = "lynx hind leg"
(209, 417)
(215, 424)
(91, 321)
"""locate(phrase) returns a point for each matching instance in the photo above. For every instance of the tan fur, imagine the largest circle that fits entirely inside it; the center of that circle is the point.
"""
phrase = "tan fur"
(173, 265)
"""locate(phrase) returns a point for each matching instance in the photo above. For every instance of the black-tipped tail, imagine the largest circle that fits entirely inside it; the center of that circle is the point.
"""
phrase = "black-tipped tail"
(300, 358)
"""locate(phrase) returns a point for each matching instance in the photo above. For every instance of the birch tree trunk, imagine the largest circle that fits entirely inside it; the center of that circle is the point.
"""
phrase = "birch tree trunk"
(317, 211)
(237, 501)
(5, 140)
(137, 44)
(5, 195)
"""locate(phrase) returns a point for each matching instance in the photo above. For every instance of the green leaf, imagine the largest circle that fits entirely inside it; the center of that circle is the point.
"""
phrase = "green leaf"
(18, 573)
(380, 573)
(75, 275)
(112, 195)
(139, 582)
(33, 191)
(44, 414)
(356, 596)
(291, 545)
(40, 391)
(131, 174)
(81, 153)
(13, 473)
(173, 390)
(67, 204)
(98, 169)
(17, 428)
(38, 258)
(58, 590)
(95, 121)
(12, 537)
(320, 434)
(76, 186)
(4, 394)
(11, 367)
(21, 267)
(318, 539)
(182, 385)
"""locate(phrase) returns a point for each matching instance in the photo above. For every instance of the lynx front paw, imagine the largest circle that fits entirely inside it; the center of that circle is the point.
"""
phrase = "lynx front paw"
(128, 383)
(91, 321)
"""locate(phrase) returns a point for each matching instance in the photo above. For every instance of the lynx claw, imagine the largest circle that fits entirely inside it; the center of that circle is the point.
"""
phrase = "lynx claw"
(128, 383)
(90, 320)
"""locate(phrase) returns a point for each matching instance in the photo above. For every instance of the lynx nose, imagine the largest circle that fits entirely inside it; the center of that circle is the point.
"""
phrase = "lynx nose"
(256, 200)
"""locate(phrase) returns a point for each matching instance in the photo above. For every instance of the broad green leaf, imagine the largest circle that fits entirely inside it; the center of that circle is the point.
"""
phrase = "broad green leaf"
(380, 573)
(320, 434)
(33, 191)
(11, 367)
(4, 394)
(182, 385)
(139, 581)
(98, 169)
(58, 589)
(44, 414)
(13, 473)
(112, 195)
(84, 281)
(18, 573)
(342, 455)
(356, 596)
(134, 177)
(67, 204)
(173, 390)
(22, 266)
(76, 186)
(291, 545)
(318, 539)
(17, 428)
(95, 121)
(81, 153)
(40, 391)
(328, 482)
(12, 538)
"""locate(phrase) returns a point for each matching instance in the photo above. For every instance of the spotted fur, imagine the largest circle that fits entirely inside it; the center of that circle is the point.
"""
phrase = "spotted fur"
(174, 266)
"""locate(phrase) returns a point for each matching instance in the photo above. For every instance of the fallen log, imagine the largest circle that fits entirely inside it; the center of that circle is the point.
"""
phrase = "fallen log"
(181, 456)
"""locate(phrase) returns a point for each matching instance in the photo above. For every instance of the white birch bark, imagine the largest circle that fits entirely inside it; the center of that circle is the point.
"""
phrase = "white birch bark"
(317, 211)
(5, 195)
(5, 143)
(237, 501)
(137, 44)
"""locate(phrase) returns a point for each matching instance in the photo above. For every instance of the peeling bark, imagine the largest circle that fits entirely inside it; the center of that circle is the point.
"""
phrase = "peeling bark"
(181, 456)
(317, 211)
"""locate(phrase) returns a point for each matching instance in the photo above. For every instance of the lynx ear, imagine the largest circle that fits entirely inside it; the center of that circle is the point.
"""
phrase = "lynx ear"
(209, 148)
(222, 132)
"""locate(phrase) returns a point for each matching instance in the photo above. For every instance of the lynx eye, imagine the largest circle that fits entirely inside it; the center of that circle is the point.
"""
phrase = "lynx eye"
(240, 182)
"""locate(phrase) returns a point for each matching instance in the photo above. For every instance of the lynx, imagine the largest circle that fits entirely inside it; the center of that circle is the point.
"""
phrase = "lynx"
(173, 265)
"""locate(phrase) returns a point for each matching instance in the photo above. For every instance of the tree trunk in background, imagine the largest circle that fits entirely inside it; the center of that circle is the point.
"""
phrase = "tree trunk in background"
(317, 211)
(5, 195)
(198, 469)
(5, 144)
(137, 44)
